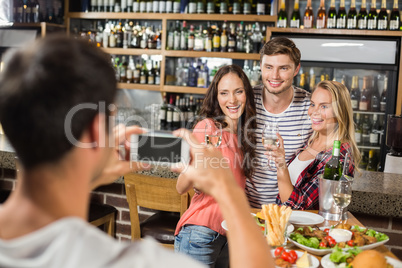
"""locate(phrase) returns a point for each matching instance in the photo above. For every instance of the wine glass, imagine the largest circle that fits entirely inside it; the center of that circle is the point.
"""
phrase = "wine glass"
(269, 137)
(342, 195)
(213, 133)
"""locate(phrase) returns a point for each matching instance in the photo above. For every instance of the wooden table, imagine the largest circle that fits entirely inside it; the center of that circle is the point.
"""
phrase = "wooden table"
(351, 220)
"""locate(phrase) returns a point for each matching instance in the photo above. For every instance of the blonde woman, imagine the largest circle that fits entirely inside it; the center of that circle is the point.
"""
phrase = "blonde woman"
(332, 119)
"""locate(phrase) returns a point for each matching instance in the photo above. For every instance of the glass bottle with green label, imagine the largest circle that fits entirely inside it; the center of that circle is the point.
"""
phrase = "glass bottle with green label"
(295, 19)
(372, 17)
(331, 20)
(341, 18)
(362, 17)
(351, 22)
(394, 21)
(383, 16)
(282, 16)
(333, 168)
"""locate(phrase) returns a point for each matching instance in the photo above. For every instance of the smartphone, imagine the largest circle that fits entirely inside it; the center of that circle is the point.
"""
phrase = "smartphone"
(159, 147)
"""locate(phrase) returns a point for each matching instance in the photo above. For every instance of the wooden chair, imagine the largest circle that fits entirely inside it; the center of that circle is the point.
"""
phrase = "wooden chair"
(158, 194)
(102, 214)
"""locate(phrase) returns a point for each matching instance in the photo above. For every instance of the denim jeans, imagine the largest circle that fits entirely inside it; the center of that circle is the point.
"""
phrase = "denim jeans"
(204, 245)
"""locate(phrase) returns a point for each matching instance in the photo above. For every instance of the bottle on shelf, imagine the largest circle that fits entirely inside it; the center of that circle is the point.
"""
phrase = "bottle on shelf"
(372, 164)
(150, 6)
(143, 6)
(232, 38)
(236, 7)
(176, 6)
(383, 98)
(362, 18)
(372, 17)
(257, 38)
(192, 7)
(216, 39)
(312, 81)
(375, 131)
(224, 38)
(341, 17)
(351, 22)
(302, 83)
(240, 38)
(163, 111)
(366, 129)
(169, 6)
(224, 6)
(321, 16)
(358, 129)
(383, 16)
(35, 11)
(375, 96)
(261, 6)
(199, 39)
(169, 114)
(333, 168)
(247, 7)
(294, 21)
(170, 37)
(364, 96)
(191, 38)
(151, 75)
(282, 15)
(332, 16)
(308, 17)
(355, 93)
(137, 73)
(395, 19)
(157, 73)
(184, 36)
(144, 73)
(176, 114)
(162, 6)
(177, 36)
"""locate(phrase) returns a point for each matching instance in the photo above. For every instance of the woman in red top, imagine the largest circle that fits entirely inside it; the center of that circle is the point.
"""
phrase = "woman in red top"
(332, 119)
(229, 101)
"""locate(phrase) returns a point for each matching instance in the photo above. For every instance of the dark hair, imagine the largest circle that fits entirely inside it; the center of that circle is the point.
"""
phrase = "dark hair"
(41, 84)
(281, 45)
(247, 124)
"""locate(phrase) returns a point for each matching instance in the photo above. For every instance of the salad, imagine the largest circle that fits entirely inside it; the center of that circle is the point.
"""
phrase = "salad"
(343, 257)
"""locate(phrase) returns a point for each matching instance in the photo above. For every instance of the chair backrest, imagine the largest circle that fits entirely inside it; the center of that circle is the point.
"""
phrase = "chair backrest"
(154, 193)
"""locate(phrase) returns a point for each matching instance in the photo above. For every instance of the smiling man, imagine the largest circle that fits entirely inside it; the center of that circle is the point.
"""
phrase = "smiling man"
(278, 101)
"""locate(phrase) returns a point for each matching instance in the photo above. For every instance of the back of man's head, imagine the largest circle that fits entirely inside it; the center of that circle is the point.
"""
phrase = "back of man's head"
(281, 45)
(50, 93)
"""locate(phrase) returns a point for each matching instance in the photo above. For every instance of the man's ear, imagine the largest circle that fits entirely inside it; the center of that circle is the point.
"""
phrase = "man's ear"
(297, 70)
(97, 130)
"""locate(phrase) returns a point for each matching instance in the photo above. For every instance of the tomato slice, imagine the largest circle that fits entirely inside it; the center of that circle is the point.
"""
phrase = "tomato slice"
(278, 251)
(351, 243)
(293, 256)
(286, 256)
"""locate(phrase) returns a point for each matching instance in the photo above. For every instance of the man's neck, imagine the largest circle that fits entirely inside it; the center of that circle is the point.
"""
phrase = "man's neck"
(277, 103)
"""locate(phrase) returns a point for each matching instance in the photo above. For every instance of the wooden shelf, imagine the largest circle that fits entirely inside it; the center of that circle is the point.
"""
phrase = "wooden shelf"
(179, 89)
(132, 51)
(366, 112)
(170, 16)
(139, 86)
(199, 54)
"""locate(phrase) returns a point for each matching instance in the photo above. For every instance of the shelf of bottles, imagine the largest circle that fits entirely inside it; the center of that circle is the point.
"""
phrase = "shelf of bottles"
(376, 17)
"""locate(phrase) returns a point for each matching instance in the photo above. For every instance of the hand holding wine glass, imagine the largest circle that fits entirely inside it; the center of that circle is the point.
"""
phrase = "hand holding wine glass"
(213, 133)
(342, 195)
(269, 137)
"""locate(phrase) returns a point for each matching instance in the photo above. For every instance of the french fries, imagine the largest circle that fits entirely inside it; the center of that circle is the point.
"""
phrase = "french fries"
(276, 219)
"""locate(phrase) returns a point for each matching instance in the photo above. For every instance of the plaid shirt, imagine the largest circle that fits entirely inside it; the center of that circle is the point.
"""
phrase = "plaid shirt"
(305, 192)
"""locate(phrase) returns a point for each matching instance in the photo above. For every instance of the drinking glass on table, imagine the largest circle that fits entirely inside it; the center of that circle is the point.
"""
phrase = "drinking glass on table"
(342, 196)
(213, 134)
(269, 137)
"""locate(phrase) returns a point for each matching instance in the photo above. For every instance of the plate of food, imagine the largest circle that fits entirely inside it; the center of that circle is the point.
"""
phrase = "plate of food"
(293, 258)
(359, 259)
(305, 218)
(318, 241)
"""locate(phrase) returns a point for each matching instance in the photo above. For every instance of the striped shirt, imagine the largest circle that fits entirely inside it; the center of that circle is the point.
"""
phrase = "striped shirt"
(295, 129)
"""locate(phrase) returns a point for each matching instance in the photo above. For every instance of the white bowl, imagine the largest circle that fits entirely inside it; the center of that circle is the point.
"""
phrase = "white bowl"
(340, 235)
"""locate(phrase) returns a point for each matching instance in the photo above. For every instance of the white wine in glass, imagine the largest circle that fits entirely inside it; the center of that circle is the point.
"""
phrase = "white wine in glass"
(342, 196)
(269, 137)
(213, 134)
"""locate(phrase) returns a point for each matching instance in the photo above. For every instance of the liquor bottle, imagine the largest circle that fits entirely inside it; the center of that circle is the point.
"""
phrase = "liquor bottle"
(123, 70)
(375, 130)
(211, 6)
(169, 114)
(362, 18)
(261, 7)
(358, 130)
(331, 18)
(157, 73)
(99, 5)
(364, 97)
(352, 16)
(372, 163)
(383, 16)
(240, 38)
(321, 16)
(341, 17)
(123, 5)
(355, 93)
(163, 111)
(176, 6)
(176, 114)
(136, 6)
(143, 6)
(282, 16)
(366, 129)
(394, 20)
(137, 73)
(247, 7)
(257, 38)
(162, 6)
(216, 40)
(232, 39)
(191, 37)
(192, 7)
(312, 81)
(375, 97)
(248, 43)
(224, 38)
(294, 21)
(184, 36)
(200, 6)
(383, 99)
(144, 73)
(130, 70)
(333, 168)
(192, 75)
(35, 11)
(199, 40)
(169, 6)
(151, 75)
(302, 83)
(177, 36)
(308, 18)
(224, 5)
(110, 5)
(372, 17)
(150, 6)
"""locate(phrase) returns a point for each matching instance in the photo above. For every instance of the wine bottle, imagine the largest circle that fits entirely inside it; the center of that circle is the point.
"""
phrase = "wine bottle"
(210, 6)
(162, 112)
(366, 128)
(341, 18)
(144, 73)
(352, 16)
(374, 134)
(261, 7)
(294, 21)
(355, 93)
(358, 130)
(157, 73)
(372, 17)
(394, 20)
(383, 99)
(176, 6)
(224, 38)
(176, 114)
(364, 97)
(308, 17)
(321, 16)
(232, 38)
(331, 20)
(247, 7)
(192, 7)
(224, 6)
(169, 6)
(333, 168)
(282, 16)
(375, 97)
(200, 6)
(362, 17)
(372, 161)
(236, 7)
(169, 114)
(383, 16)
(162, 6)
